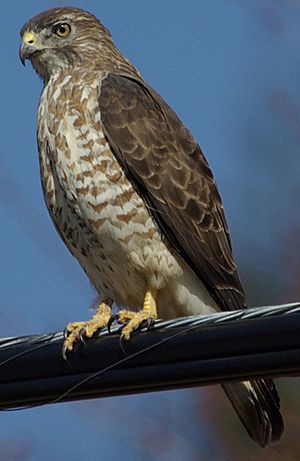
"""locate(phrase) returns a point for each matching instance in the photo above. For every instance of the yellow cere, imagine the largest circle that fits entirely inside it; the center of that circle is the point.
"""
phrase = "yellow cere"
(29, 38)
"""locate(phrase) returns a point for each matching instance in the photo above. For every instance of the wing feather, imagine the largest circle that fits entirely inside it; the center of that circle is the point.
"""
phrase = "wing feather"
(168, 169)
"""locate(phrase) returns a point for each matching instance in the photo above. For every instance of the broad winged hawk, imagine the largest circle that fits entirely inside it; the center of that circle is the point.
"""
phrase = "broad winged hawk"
(131, 194)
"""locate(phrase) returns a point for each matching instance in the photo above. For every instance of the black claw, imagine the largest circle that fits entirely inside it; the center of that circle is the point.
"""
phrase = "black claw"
(121, 344)
(111, 321)
(81, 336)
(64, 353)
(150, 322)
(65, 333)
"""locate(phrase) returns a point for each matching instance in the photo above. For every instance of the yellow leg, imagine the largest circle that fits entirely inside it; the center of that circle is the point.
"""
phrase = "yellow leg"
(77, 330)
(135, 319)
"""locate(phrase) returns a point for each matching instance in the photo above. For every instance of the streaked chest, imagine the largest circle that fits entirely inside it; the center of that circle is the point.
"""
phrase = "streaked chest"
(80, 175)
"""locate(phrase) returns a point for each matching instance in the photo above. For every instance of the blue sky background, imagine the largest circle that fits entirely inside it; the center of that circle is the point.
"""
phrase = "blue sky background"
(231, 71)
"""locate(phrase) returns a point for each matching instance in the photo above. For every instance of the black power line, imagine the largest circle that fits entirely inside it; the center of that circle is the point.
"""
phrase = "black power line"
(188, 352)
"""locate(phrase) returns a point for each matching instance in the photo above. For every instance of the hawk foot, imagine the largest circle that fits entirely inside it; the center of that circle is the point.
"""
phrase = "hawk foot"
(76, 331)
(134, 320)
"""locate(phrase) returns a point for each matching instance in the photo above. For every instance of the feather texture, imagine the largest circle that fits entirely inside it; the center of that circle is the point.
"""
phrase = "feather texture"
(130, 191)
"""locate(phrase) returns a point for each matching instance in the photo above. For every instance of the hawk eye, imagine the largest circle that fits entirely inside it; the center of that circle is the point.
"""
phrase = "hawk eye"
(62, 29)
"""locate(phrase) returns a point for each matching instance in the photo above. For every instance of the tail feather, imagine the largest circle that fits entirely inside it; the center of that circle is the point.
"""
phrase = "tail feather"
(257, 405)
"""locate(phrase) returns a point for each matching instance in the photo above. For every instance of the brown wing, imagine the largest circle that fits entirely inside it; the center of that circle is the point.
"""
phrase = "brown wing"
(168, 169)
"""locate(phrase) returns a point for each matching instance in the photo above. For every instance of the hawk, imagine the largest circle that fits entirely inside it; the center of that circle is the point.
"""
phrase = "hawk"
(131, 194)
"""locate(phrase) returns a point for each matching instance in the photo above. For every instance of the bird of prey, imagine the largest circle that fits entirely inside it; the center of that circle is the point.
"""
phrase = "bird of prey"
(131, 194)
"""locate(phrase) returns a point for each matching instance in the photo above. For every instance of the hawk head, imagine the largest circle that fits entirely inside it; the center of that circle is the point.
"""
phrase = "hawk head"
(62, 38)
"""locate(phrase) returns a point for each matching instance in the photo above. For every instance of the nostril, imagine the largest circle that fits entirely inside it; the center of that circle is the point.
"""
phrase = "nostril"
(30, 42)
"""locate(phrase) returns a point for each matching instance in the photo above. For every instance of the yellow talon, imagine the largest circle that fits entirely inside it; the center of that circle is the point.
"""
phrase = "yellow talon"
(150, 303)
(76, 330)
(135, 319)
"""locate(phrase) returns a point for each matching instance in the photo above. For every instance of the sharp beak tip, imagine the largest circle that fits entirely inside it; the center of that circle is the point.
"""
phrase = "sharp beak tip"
(25, 52)
(22, 55)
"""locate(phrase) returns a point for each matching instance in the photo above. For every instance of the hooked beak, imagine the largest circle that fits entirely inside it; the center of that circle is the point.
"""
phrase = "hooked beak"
(25, 52)
(28, 46)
